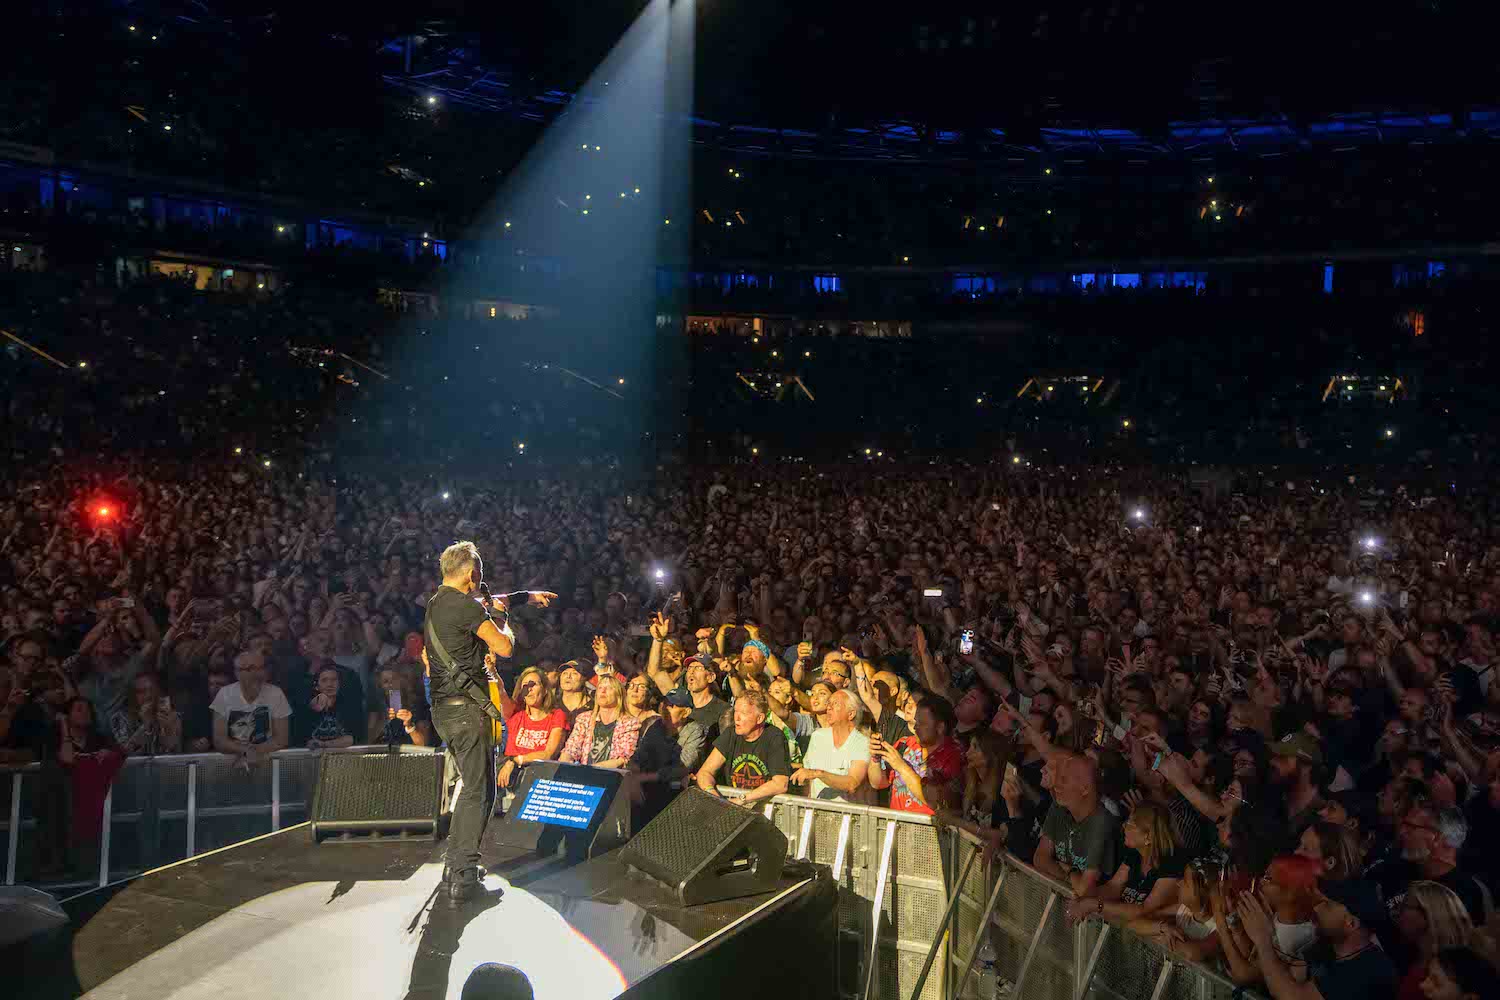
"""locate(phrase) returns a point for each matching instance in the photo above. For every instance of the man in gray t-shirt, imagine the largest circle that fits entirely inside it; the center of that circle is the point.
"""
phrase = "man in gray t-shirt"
(1090, 845)
(1080, 842)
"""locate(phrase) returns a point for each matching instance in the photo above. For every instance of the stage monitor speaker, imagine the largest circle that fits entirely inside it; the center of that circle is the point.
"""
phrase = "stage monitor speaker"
(374, 794)
(707, 849)
(568, 809)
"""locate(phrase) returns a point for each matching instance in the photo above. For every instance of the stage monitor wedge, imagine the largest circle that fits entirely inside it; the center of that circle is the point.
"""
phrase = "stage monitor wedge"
(707, 849)
(373, 793)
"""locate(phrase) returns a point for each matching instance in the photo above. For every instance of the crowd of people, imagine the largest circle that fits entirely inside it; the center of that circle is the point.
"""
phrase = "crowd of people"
(1253, 719)
(1260, 727)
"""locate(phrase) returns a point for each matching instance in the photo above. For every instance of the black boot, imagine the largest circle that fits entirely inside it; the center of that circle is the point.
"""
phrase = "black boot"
(480, 871)
(464, 886)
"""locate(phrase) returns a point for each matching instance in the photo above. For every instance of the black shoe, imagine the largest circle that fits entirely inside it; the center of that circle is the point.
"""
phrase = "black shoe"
(464, 888)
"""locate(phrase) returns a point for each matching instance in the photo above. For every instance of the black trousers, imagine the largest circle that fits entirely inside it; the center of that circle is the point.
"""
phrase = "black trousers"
(466, 731)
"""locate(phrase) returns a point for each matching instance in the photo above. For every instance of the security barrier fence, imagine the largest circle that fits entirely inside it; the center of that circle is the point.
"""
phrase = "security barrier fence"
(912, 896)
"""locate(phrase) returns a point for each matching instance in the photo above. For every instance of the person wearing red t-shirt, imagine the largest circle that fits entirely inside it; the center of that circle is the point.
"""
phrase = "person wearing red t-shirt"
(922, 770)
(535, 730)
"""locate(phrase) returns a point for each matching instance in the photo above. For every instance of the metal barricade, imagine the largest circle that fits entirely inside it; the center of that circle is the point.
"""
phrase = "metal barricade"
(913, 897)
(164, 809)
(1038, 957)
(893, 871)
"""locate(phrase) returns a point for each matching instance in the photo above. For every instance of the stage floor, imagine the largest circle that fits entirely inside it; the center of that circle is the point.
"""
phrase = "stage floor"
(280, 916)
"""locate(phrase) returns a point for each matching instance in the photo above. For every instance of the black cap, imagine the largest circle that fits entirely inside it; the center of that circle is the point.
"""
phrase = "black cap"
(678, 697)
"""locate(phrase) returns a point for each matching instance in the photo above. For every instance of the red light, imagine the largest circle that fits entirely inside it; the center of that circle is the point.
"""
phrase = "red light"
(103, 511)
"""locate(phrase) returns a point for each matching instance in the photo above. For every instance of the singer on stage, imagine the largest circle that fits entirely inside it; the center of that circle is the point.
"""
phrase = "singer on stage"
(461, 641)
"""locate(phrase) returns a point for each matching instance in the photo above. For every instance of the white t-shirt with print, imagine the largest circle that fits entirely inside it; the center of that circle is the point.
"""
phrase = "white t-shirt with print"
(822, 755)
(250, 721)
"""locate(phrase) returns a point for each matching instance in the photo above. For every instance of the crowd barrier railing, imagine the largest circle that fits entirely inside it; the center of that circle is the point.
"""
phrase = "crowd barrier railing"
(913, 896)
(162, 809)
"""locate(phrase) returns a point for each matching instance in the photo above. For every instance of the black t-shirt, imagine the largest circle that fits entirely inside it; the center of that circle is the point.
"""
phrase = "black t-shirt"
(455, 619)
(1138, 884)
(573, 714)
(709, 715)
(1367, 975)
(348, 711)
(1459, 881)
(751, 763)
(604, 735)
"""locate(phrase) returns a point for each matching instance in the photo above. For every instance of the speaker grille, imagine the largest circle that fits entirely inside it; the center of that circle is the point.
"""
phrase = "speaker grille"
(376, 787)
(692, 829)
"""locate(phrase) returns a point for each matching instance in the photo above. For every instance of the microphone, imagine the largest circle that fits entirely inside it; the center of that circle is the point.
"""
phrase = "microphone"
(493, 607)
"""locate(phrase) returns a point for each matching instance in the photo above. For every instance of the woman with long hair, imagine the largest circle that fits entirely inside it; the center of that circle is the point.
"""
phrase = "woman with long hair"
(1334, 848)
(983, 811)
(535, 729)
(1202, 730)
(320, 718)
(148, 726)
(1191, 929)
(91, 760)
(1074, 731)
(1146, 883)
(817, 702)
(641, 699)
(1431, 918)
(572, 693)
(604, 736)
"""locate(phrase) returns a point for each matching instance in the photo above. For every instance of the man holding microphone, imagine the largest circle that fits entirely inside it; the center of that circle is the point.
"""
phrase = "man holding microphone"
(461, 641)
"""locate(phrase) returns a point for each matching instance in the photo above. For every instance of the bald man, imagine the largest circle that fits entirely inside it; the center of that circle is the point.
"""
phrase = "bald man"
(1081, 840)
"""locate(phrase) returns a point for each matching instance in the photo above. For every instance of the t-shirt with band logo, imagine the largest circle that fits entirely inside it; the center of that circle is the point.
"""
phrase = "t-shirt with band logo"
(751, 763)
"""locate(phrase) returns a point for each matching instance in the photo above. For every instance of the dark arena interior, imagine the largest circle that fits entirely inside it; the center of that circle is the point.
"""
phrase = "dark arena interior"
(715, 499)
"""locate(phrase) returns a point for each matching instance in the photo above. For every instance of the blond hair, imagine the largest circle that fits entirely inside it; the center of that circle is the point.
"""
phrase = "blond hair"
(1448, 922)
(457, 558)
(610, 679)
(1156, 823)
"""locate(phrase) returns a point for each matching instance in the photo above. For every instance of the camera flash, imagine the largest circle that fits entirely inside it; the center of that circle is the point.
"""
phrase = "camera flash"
(1365, 597)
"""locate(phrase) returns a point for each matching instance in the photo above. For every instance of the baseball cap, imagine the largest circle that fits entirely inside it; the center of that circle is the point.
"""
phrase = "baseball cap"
(702, 661)
(1360, 898)
(678, 697)
(1298, 744)
(583, 667)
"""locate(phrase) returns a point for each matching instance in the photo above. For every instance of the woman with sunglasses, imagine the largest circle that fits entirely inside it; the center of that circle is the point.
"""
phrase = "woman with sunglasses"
(534, 731)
